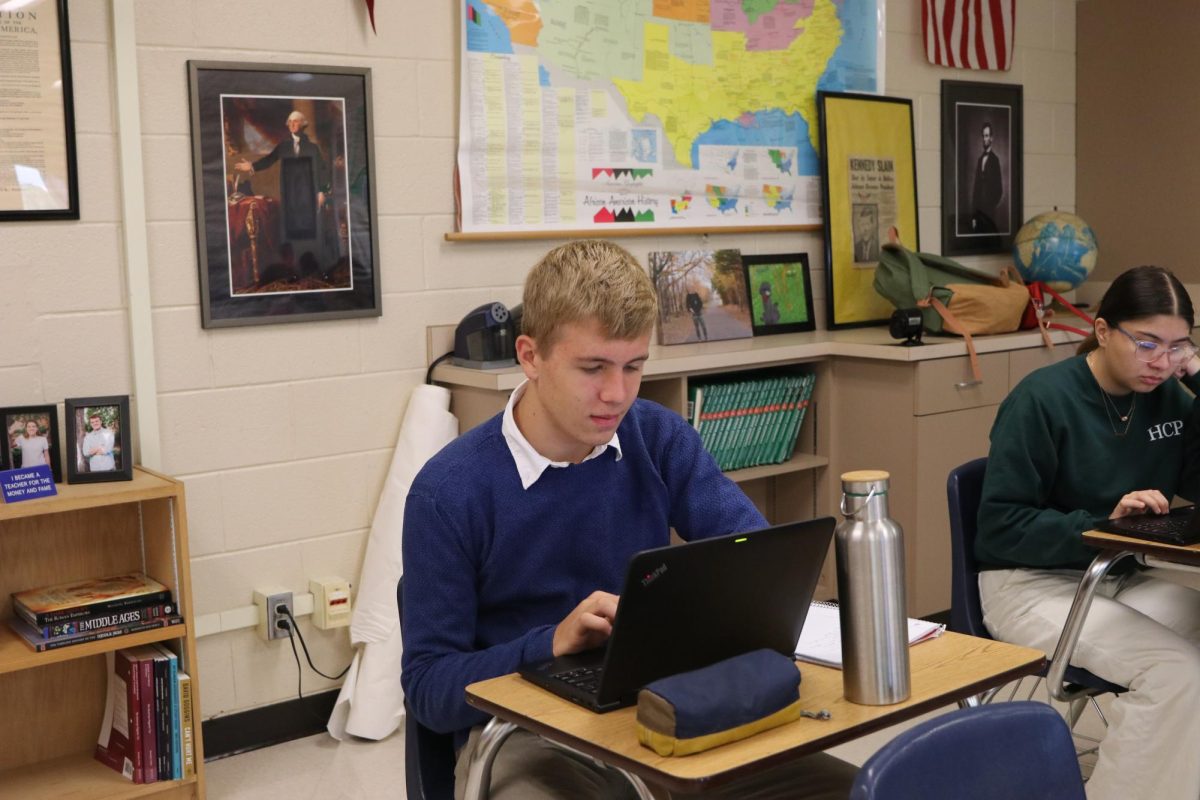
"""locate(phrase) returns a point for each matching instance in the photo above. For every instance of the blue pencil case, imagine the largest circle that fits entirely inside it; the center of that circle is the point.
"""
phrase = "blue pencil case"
(721, 703)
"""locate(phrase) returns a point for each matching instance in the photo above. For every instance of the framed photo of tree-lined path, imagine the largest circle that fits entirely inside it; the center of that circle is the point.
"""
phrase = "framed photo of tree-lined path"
(701, 296)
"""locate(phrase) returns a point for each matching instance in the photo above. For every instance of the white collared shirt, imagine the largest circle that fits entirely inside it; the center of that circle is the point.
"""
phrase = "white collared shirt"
(530, 463)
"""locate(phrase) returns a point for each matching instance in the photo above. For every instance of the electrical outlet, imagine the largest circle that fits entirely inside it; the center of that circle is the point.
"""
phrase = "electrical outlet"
(270, 602)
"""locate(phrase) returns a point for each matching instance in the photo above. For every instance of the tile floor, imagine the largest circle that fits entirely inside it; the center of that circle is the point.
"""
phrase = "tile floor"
(321, 768)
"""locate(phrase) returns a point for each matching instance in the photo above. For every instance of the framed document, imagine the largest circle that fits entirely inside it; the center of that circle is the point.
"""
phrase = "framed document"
(869, 183)
(285, 193)
(38, 178)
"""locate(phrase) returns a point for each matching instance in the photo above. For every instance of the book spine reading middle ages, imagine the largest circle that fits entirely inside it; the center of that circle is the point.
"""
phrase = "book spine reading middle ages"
(42, 643)
(97, 622)
(86, 610)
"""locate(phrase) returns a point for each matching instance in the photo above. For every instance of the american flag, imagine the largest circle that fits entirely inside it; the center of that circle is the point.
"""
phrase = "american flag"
(969, 34)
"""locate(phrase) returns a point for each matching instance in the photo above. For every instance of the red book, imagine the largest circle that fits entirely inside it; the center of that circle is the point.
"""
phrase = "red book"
(120, 744)
(149, 723)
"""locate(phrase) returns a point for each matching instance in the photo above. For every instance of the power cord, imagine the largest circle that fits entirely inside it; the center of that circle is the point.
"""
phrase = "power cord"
(293, 631)
(436, 361)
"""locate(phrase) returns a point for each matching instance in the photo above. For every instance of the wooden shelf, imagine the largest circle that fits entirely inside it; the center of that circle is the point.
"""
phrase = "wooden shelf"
(81, 777)
(797, 463)
(54, 700)
(16, 654)
(145, 485)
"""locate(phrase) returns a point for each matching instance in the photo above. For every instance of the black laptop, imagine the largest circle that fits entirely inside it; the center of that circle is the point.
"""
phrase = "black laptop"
(690, 605)
(1180, 526)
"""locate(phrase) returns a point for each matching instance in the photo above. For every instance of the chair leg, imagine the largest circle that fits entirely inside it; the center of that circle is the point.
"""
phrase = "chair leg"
(479, 770)
(1075, 708)
(638, 786)
(1099, 712)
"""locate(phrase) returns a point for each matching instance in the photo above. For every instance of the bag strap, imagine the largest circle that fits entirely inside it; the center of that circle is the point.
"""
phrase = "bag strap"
(956, 327)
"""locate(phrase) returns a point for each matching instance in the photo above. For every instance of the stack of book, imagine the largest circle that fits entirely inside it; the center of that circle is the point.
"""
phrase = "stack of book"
(89, 610)
(750, 422)
(147, 732)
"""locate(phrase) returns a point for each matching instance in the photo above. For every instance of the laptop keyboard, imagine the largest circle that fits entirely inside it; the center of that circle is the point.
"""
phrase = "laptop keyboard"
(1169, 529)
(585, 679)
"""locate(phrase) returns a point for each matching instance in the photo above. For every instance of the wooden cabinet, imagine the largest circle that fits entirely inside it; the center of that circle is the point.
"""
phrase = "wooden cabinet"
(53, 701)
(918, 420)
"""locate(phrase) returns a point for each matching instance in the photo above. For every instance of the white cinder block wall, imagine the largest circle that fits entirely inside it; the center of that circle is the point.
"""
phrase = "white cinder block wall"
(283, 433)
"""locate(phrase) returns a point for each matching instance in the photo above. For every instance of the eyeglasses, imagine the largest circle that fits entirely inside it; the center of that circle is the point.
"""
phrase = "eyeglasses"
(1152, 351)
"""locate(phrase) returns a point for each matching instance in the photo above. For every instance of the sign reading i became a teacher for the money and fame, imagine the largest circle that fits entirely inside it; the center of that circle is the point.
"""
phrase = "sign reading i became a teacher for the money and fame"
(37, 128)
(604, 114)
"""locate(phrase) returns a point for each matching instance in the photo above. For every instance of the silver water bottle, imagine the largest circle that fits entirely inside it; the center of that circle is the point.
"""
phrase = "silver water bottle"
(870, 570)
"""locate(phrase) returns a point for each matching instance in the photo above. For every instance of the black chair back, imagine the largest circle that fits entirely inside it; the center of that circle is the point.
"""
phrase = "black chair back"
(964, 487)
(428, 755)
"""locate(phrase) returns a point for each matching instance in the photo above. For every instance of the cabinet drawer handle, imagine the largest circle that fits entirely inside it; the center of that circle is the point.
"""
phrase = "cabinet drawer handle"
(967, 384)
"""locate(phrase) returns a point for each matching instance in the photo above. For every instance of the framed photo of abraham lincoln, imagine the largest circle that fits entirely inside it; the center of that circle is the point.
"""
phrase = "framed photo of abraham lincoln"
(285, 193)
(982, 167)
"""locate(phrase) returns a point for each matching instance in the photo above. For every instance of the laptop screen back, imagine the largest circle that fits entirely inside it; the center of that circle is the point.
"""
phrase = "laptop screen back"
(691, 605)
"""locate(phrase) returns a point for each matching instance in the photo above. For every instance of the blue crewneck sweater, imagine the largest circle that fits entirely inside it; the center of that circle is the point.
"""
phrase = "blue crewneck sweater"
(490, 569)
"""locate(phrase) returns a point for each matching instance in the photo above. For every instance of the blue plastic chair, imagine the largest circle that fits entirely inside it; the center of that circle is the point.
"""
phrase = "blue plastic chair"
(428, 755)
(964, 487)
(998, 752)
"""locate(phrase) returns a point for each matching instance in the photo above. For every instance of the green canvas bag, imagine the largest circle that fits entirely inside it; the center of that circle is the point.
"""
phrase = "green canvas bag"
(982, 302)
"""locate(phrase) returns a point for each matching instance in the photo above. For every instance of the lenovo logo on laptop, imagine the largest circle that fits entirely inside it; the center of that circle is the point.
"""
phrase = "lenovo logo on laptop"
(654, 575)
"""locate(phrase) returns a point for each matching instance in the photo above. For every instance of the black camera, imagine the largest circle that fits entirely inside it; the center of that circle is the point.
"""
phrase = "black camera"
(906, 324)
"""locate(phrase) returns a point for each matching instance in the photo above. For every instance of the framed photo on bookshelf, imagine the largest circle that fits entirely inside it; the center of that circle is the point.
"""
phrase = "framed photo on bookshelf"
(31, 438)
(868, 187)
(98, 439)
(283, 167)
(780, 291)
(982, 166)
(701, 295)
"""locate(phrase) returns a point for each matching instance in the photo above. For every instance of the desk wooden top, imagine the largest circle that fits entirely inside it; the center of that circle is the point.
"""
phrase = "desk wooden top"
(943, 670)
(1168, 552)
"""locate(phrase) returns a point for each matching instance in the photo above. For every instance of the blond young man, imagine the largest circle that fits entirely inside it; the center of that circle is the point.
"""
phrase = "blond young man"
(517, 534)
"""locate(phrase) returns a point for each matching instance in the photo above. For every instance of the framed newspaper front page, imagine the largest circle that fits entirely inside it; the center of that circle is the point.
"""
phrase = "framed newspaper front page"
(38, 177)
(869, 186)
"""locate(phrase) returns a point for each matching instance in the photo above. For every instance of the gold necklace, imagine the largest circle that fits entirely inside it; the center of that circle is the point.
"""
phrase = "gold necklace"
(1107, 401)
(1127, 417)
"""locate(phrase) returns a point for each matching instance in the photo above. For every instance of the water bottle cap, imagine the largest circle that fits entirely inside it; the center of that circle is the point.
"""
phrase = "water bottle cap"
(865, 481)
(860, 475)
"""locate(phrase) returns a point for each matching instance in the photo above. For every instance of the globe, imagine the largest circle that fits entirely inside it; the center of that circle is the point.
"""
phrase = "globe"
(1057, 248)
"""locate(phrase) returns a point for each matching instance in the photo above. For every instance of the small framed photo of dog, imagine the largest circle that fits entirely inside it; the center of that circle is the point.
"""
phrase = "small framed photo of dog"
(98, 439)
(31, 439)
(780, 292)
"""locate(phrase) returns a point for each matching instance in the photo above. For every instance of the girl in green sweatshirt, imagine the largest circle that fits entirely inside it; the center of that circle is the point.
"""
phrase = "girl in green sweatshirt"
(1105, 435)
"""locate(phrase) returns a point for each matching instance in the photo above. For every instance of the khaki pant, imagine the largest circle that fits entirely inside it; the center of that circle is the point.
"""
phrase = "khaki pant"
(528, 767)
(1142, 632)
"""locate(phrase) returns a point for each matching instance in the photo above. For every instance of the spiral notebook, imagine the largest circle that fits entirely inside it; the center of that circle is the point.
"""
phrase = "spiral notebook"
(821, 638)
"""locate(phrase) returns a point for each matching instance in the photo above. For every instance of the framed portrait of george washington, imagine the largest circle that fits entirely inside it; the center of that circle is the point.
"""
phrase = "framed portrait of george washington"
(285, 193)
